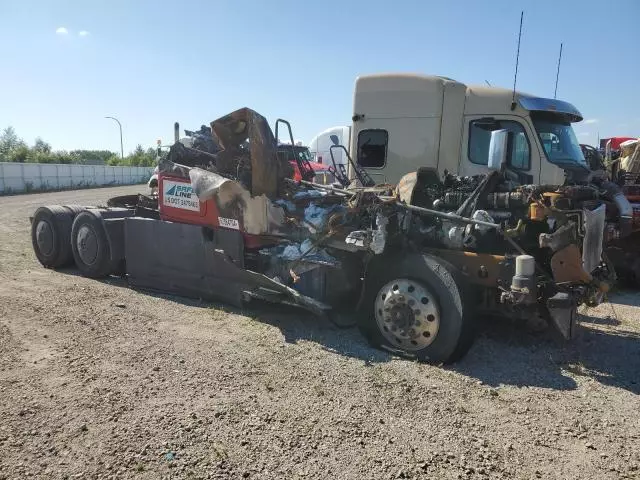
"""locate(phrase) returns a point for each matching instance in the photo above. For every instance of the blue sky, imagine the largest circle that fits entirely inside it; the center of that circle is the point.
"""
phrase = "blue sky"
(150, 63)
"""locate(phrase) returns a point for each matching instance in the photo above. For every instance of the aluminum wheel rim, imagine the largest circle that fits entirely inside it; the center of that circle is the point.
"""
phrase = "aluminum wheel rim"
(407, 314)
(87, 244)
(44, 237)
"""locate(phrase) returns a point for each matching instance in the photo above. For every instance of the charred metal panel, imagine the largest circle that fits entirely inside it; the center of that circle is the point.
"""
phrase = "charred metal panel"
(194, 261)
(267, 171)
(179, 258)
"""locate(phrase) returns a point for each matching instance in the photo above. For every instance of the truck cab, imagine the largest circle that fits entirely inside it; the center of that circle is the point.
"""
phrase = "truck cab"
(289, 153)
(402, 122)
(320, 145)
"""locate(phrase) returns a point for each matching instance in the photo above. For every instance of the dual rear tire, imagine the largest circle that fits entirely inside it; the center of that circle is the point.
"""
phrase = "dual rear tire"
(51, 234)
(90, 246)
(63, 235)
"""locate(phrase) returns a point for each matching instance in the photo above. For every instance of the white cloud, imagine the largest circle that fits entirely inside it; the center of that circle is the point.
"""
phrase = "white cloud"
(83, 33)
(591, 120)
(62, 31)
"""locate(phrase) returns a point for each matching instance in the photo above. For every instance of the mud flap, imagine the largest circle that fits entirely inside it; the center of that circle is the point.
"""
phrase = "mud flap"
(563, 313)
(197, 262)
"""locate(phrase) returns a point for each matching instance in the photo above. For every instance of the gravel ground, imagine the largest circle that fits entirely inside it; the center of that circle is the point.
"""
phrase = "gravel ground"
(100, 381)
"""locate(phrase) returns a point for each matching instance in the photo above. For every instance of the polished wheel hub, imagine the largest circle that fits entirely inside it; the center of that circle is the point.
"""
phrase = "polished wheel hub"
(407, 314)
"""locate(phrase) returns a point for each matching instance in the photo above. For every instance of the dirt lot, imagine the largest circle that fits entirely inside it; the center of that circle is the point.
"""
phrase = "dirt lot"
(100, 381)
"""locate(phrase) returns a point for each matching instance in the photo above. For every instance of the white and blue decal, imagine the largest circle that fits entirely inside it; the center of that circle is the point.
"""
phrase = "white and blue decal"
(179, 195)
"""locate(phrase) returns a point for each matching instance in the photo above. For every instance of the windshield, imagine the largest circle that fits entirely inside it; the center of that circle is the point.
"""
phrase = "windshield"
(303, 153)
(559, 140)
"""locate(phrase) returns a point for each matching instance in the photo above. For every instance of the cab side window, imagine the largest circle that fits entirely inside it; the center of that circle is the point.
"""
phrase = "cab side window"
(372, 148)
(519, 156)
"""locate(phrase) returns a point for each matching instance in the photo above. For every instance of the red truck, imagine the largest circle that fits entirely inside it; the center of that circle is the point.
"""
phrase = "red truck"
(615, 142)
(323, 175)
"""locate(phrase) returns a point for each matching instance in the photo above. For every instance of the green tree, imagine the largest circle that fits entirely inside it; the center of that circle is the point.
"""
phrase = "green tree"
(9, 141)
(14, 149)
(150, 157)
(41, 146)
(93, 156)
(62, 156)
(19, 154)
(137, 156)
(115, 161)
(141, 157)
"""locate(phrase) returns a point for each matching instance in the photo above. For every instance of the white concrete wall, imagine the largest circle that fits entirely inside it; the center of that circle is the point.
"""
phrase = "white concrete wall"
(34, 177)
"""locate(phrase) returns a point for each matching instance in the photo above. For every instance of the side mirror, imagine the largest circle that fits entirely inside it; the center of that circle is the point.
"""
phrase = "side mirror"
(498, 146)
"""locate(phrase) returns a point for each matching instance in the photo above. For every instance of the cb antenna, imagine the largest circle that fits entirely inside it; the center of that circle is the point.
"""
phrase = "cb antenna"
(515, 76)
(555, 91)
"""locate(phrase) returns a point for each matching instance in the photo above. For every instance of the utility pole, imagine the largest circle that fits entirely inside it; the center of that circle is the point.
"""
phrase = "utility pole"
(119, 125)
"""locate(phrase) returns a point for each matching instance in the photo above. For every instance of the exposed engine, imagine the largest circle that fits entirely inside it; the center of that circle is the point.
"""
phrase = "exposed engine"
(549, 237)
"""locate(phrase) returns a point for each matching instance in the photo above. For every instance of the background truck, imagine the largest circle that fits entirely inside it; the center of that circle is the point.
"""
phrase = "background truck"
(401, 122)
(320, 145)
(621, 164)
(300, 153)
(611, 145)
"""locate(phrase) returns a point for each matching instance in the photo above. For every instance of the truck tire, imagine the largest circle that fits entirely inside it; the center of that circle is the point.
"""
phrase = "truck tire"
(50, 235)
(90, 246)
(416, 306)
(74, 209)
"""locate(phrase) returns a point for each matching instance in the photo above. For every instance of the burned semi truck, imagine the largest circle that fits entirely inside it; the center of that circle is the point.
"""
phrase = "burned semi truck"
(414, 263)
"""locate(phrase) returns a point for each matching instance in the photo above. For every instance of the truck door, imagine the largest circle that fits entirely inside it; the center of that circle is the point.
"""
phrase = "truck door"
(522, 157)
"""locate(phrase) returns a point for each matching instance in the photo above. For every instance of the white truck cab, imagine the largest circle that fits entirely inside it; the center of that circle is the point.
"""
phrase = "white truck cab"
(403, 121)
(320, 145)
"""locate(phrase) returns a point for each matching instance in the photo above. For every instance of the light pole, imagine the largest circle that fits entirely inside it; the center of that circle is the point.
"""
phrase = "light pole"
(119, 125)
